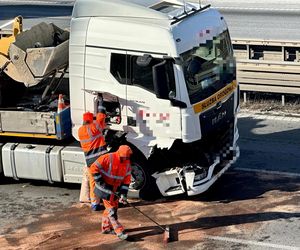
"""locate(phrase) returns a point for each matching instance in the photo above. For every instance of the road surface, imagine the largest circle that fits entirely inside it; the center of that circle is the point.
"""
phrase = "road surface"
(34, 12)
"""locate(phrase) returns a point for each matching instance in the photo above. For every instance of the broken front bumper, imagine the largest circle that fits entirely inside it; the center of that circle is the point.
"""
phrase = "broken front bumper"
(180, 180)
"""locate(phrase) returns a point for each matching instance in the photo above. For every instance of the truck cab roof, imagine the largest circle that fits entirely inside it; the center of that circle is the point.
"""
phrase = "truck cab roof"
(148, 9)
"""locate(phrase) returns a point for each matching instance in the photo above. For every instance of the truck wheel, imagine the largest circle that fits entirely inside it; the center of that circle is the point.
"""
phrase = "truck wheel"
(142, 184)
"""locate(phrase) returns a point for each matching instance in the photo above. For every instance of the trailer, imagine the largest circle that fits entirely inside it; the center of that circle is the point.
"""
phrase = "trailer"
(166, 73)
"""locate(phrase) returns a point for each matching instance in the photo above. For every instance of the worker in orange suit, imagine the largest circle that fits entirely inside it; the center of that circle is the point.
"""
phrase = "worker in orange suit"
(93, 144)
(112, 174)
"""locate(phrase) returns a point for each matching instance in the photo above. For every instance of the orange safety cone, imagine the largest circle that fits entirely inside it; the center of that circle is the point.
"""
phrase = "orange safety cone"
(61, 104)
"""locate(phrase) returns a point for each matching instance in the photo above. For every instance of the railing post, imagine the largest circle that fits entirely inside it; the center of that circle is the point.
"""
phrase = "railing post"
(282, 100)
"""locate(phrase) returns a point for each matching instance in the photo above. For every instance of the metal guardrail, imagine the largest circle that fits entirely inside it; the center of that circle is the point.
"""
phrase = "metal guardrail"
(268, 66)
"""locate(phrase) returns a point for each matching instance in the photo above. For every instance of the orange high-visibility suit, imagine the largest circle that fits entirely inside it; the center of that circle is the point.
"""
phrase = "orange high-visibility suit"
(93, 144)
(112, 173)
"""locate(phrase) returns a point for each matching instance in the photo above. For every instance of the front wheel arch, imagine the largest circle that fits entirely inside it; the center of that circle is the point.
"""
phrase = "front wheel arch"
(143, 184)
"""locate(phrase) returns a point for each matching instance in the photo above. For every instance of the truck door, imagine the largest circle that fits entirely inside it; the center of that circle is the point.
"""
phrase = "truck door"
(114, 87)
(146, 114)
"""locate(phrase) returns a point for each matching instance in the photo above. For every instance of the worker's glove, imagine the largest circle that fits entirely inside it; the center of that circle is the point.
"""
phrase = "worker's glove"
(101, 109)
(123, 199)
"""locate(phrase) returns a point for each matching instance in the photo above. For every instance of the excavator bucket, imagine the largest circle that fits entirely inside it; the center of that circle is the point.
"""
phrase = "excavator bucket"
(9, 69)
(38, 53)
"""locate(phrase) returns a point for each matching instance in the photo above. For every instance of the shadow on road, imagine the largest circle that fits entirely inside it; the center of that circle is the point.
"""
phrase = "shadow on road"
(138, 234)
(247, 125)
(236, 185)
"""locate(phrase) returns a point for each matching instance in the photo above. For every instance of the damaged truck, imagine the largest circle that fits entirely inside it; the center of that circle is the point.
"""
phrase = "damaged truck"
(165, 72)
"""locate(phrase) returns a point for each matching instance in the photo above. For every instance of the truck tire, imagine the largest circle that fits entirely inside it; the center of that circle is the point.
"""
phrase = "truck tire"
(142, 182)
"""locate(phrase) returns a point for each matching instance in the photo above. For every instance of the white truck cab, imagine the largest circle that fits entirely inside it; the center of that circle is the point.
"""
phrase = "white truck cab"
(167, 74)
(164, 71)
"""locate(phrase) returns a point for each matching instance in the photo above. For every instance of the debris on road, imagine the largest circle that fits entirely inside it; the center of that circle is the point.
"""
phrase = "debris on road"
(231, 212)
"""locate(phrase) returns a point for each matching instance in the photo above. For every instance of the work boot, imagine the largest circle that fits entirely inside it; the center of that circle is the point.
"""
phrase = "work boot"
(108, 231)
(122, 236)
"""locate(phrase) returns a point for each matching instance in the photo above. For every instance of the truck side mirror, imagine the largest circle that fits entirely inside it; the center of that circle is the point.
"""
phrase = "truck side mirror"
(174, 102)
(160, 80)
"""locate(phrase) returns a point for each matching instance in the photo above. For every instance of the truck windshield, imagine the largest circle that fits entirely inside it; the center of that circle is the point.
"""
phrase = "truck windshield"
(208, 67)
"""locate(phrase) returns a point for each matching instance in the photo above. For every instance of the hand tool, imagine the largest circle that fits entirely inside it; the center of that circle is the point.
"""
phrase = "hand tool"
(166, 230)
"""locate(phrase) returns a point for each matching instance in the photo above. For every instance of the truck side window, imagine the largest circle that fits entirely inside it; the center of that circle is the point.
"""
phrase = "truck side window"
(142, 75)
(118, 67)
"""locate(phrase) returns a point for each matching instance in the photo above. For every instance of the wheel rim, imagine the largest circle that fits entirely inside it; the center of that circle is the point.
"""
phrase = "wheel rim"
(138, 177)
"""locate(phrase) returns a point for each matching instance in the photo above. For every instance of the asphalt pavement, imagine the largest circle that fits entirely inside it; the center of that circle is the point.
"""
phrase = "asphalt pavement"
(269, 142)
(34, 12)
(37, 2)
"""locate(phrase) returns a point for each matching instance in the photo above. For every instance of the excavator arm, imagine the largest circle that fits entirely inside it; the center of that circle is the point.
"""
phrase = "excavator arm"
(7, 37)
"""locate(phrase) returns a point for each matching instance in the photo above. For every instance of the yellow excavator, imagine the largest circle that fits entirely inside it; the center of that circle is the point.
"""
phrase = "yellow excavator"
(35, 54)
(6, 39)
